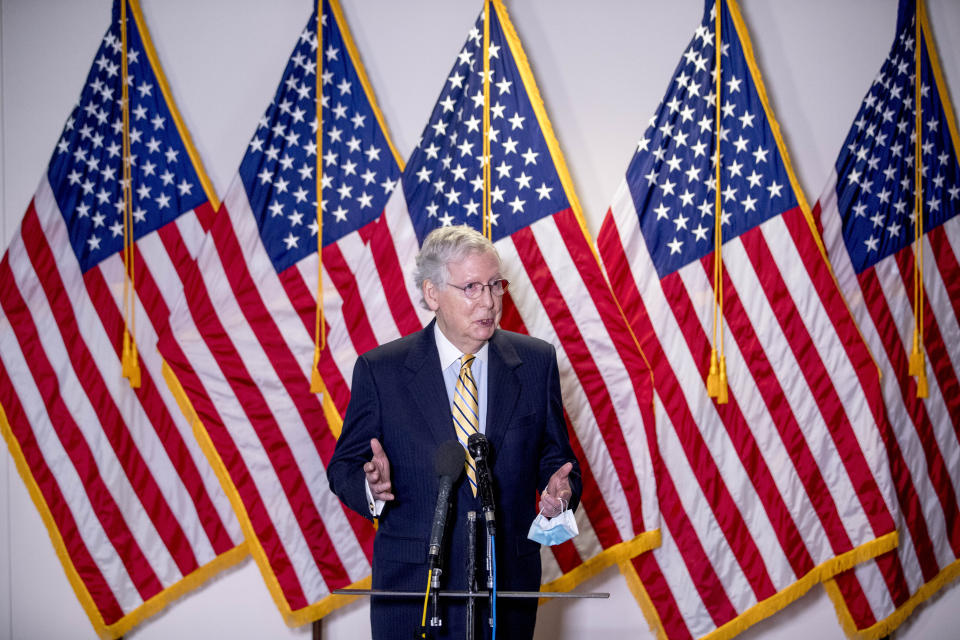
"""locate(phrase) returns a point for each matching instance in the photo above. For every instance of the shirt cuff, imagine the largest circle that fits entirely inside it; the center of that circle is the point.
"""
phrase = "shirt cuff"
(375, 506)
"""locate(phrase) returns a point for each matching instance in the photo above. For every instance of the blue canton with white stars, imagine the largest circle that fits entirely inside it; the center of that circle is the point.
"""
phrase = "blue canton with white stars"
(672, 176)
(278, 170)
(443, 182)
(875, 168)
(86, 171)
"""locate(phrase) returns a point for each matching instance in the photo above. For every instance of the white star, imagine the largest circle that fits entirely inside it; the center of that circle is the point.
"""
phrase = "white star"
(754, 179)
(295, 218)
(662, 211)
(544, 191)
(774, 189)
(681, 222)
(760, 155)
(163, 201)
(700, 232)
(750, 204)
(530, 157)
(871, 243)
(675, 246)
(291, 241)
(184, 187)
(340, 214)
(93, 242)
(517, 204)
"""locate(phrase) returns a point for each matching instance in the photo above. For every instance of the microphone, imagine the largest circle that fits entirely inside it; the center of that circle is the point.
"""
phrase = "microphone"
(479, 448)
(448, 462)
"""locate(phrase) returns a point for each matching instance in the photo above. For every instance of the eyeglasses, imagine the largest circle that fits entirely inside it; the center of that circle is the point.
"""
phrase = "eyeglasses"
(474, 290)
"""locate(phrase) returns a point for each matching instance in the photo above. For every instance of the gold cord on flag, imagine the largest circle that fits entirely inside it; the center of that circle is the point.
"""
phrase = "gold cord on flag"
(486, 121)
(717, 376)
(319, 337)
(917, 360)
(129, 362)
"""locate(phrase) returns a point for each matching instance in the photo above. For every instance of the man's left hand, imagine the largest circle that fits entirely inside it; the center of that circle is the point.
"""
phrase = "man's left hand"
(558, 492)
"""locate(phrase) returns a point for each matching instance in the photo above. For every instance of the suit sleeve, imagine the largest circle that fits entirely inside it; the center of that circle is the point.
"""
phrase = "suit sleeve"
(555, 447)
(362, 422)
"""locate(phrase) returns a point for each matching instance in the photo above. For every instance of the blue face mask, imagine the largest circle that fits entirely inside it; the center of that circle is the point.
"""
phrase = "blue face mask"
(551, 531)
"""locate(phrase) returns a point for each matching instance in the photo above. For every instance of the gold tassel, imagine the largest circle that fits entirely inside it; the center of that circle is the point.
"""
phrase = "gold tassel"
(916, 356)
(723, 396)
(316, 384)
(713, 378)
(134, 365)
(125, 355)
(922, 391)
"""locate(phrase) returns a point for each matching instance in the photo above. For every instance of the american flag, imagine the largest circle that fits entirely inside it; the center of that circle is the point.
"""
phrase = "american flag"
(773, 491)
(245, 329)
(557, 288)
(136, 514)
(868, 216)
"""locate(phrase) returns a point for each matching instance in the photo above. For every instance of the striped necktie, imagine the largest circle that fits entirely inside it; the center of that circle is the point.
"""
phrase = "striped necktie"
(466, 413)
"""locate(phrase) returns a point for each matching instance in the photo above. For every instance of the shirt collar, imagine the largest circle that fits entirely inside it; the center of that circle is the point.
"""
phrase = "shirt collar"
(449, 354)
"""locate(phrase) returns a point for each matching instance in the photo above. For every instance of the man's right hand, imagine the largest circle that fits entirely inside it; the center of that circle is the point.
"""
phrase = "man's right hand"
(378, 473)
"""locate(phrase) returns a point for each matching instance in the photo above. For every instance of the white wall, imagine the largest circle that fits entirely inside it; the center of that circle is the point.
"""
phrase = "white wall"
(602, 66)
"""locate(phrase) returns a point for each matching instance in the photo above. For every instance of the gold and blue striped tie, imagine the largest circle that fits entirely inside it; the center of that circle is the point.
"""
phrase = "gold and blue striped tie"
(466, 413)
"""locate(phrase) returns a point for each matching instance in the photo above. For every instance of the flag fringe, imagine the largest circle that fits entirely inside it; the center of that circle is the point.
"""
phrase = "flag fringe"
(821, 573)
(149, 607)
(886, 626)
(649, 611)
(615, 555)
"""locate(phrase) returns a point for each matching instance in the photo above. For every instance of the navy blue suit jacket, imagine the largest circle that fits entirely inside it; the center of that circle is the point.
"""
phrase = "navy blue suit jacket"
(398, 396)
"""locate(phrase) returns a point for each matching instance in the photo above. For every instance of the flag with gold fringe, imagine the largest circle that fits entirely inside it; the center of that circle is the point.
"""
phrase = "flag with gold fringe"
(264, 353)
(903, 287)
(488, 157)
(768, 404)
(135, 513)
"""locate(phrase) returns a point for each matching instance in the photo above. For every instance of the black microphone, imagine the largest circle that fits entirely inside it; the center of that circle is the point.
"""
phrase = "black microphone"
(448, 463)
(479, 448)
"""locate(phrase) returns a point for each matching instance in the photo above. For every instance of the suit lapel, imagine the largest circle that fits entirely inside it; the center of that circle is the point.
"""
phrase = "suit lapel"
(425, 386)
(503, 386)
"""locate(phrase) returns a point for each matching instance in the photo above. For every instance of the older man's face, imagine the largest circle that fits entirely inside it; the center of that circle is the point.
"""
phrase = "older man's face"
(468, 324)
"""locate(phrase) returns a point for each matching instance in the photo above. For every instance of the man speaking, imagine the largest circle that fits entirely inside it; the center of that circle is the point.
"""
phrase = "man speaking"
(459, 376)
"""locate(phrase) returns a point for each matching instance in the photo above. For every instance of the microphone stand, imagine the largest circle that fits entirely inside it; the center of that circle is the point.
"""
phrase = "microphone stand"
(471, 571)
